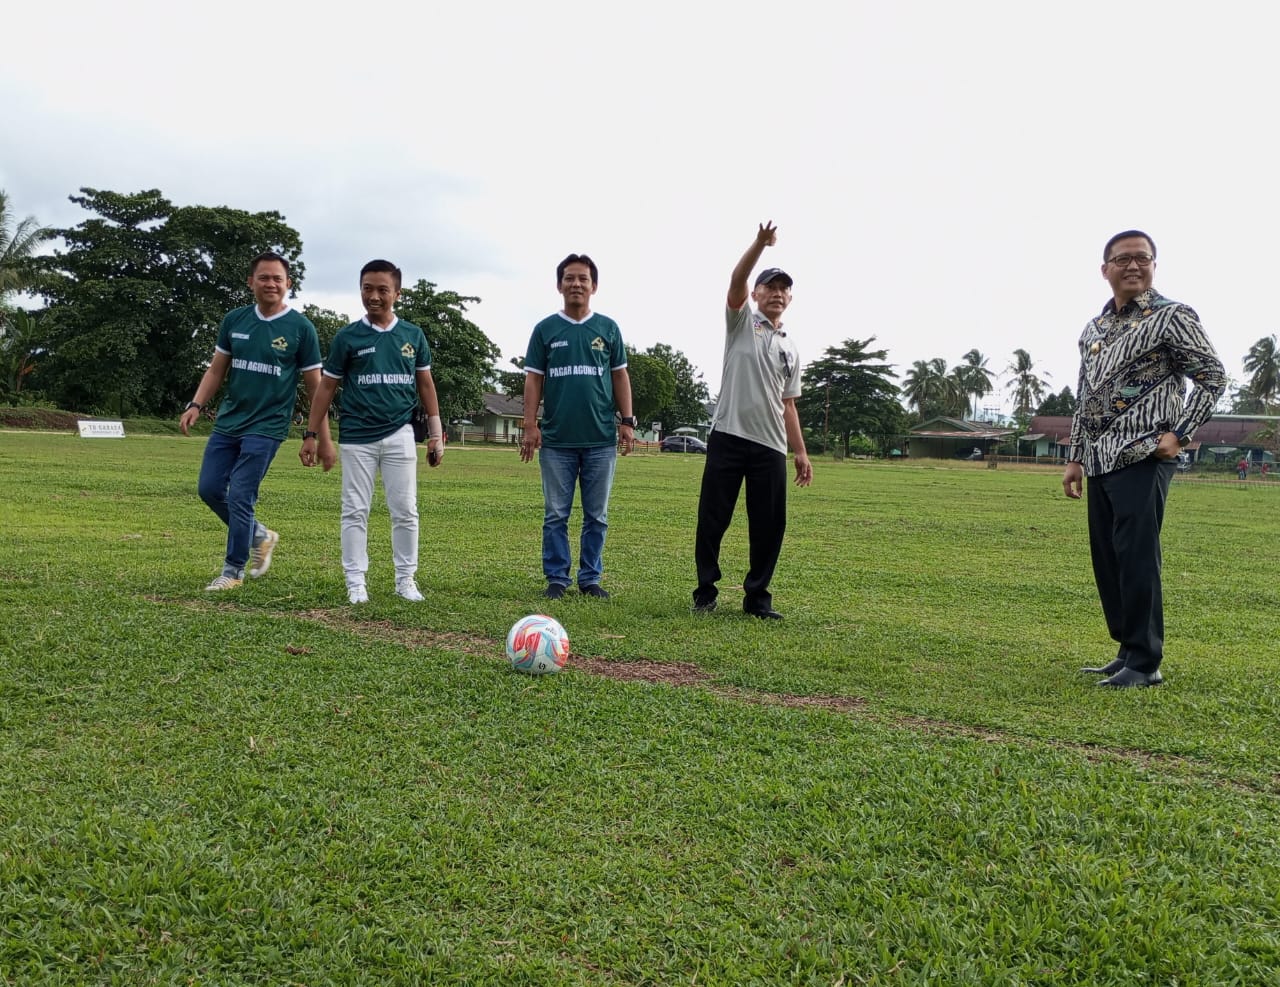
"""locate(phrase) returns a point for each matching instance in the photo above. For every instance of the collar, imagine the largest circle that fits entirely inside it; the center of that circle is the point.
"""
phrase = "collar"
(764, 321)
(269, 318)
(394, 319)
(576, 322)
(1143, 302)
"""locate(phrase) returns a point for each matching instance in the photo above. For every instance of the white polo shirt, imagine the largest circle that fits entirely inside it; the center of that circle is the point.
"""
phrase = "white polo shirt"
(761, 368)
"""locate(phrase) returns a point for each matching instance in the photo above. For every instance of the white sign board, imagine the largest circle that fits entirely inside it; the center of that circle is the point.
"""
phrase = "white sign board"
(101, 430)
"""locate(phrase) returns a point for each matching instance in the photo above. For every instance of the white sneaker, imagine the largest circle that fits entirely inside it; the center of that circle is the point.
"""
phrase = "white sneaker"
(261, 560)
(223, 582)
(408, 590)
(357, 594)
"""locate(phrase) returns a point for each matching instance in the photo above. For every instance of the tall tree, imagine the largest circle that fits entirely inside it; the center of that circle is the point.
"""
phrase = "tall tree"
(137, 295)
(688, 405)
(1028, 388)
(19, 240)
(1062, 403)
(510, 382)
(462, 356)
(974, 378)
(931, 390)
(653, 385)
(22, 338)
(849, 392)
(1262, 363)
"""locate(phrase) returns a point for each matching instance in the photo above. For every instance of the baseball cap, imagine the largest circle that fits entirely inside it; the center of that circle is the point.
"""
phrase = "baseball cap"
(773, 274)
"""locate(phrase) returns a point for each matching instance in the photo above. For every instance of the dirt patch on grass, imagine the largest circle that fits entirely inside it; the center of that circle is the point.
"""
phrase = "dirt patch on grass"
(689, 675)
(641, 670)
(40, 419)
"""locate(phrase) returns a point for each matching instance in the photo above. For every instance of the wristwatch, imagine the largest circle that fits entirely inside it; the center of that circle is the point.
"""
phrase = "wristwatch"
(193, 404)
(631, 420)
(308, 434)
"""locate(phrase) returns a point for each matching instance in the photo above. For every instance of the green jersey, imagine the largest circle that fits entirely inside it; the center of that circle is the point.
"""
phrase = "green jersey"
(379, 371)
(576, 361)
(267, 357)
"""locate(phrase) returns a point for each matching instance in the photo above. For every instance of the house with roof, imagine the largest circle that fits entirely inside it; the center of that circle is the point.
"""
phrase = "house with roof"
(499, 419)
(956, 438)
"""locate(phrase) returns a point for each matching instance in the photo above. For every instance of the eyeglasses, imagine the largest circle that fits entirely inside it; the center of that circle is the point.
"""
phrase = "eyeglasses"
(1124, 260)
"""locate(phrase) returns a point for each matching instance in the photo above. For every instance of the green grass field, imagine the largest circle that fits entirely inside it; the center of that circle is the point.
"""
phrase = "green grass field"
(905, 782)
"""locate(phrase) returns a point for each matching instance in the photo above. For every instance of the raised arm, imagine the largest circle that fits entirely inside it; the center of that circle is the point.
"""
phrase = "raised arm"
(739, 288)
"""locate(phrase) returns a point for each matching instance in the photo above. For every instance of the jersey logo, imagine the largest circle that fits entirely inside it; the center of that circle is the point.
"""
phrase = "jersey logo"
(407, 350)
(279, 344)
(597, 344)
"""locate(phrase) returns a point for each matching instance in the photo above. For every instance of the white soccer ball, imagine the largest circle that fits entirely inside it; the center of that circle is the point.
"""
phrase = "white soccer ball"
(537, 644)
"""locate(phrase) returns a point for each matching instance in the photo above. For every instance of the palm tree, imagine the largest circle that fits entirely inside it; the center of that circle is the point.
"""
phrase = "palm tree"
(17, 243)
(1028, 388)
(929, 390)
(974, 378)
(22, 338)
(1263, 363)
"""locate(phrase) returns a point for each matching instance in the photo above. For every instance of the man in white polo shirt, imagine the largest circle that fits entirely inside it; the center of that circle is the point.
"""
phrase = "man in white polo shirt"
(755, 421)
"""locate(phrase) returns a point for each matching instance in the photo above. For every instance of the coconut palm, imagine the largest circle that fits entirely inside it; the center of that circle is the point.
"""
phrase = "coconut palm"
(17, 242)
(1263, 364)
(973, 378)
(1028, 387)
(929, 389)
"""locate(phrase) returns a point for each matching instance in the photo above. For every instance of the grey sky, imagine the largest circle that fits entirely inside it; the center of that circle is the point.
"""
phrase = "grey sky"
(943, 176)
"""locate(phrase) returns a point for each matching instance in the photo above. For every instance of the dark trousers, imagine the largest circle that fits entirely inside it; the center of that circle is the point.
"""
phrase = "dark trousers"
(1126, 510)
(730, 461)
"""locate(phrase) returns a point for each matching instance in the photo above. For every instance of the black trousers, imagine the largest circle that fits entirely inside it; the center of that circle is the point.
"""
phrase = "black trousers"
(1126, 511)
(730, 461)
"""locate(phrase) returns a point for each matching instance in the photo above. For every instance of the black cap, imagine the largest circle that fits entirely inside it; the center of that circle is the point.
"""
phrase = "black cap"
(773, 274)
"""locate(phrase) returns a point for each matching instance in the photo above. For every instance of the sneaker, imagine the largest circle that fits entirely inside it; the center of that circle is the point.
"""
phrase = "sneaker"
(594, 589)
(261, 560)
(223, 582)
(407, 589)
(357, 594)
(554, 591)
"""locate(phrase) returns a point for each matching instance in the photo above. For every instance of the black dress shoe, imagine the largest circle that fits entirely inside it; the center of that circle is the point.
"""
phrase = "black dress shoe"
(554, 591)
(1128, 678)
(767, 613)
(1110, 668)
(594, 589)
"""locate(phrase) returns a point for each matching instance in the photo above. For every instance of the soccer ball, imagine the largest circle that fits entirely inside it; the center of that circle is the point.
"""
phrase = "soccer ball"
(537, 644)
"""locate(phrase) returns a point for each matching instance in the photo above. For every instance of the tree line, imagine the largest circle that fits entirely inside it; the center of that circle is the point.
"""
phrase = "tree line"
(133, 297)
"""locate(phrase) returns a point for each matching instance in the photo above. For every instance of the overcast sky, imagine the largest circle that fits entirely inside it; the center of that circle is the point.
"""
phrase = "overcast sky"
(943, 176)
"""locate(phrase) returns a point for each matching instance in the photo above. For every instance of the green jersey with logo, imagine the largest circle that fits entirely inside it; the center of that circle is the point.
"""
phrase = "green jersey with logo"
(379, 370)
(576, 361)
(267, 357)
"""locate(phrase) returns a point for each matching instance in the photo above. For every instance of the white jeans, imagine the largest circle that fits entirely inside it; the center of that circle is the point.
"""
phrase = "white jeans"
(396, 457)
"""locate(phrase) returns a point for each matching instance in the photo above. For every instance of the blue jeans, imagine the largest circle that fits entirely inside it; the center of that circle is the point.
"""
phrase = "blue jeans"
(562, 470)
(230, 475)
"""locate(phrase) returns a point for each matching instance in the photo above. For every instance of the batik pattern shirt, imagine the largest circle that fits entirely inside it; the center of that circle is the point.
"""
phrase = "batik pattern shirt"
(1134, 365)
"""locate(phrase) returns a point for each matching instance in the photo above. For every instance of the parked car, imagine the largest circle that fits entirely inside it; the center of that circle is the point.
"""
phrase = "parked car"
(974, 453)
(683, 443)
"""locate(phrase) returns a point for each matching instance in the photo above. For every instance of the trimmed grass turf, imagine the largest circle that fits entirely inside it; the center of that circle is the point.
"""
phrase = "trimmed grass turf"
(274, 787)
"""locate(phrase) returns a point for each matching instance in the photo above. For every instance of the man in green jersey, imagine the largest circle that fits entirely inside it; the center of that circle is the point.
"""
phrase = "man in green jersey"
(260, 352)
(383, 365)
(576, 366)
